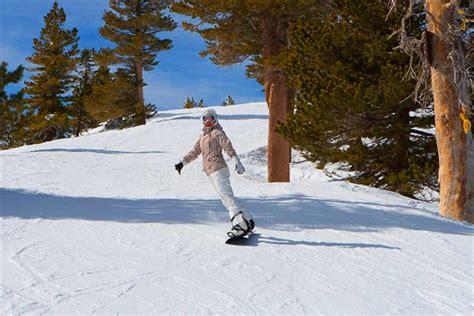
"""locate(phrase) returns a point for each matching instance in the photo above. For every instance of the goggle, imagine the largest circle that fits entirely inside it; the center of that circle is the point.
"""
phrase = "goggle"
(209, 118)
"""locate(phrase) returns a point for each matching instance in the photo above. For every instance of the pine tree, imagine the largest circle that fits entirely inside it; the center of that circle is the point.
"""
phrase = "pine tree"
(189, 103)
(200, 104)
(81, 119)
(12, 112)
(133, 26)
(54, 61)
(113, 96)
(228, 101)
(239, 30)
(353, 104)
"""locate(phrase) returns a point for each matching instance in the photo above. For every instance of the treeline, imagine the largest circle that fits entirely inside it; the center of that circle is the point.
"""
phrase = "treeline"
(71, 90)
(190, 103)
(337, 85)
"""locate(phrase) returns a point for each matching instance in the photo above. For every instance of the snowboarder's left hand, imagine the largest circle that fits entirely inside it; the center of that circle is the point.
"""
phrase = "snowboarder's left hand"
(178, 167)
(239, 167)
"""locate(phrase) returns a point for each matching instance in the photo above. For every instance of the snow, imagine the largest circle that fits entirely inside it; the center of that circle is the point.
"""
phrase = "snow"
(102, 223)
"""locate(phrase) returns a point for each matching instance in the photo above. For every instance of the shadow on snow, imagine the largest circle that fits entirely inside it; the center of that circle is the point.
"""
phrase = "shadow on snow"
(286, 213)
(254, 239)
(95, 151)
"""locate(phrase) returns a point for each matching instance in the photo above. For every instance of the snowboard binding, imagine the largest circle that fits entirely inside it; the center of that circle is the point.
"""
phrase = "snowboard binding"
(241, 226)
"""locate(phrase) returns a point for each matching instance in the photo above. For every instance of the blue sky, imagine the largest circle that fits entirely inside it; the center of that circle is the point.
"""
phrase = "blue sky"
(180, 73)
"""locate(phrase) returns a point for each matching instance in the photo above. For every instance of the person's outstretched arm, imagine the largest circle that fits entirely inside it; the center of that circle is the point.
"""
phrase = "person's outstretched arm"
(192, 155)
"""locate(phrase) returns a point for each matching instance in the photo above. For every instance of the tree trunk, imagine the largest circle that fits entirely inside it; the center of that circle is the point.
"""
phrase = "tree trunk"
(140, 108)
(455, 147)
(276, 93)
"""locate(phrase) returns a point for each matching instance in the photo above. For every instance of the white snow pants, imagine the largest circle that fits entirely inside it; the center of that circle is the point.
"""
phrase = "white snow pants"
(221, 181)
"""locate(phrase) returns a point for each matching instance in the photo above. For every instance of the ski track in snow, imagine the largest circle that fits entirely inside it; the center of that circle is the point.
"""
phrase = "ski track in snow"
(103, 224)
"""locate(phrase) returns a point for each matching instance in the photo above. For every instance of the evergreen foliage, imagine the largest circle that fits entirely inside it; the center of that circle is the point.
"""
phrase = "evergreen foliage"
(233, 29)
(113, 95)
(54, 62)
(84, 83)
(353, 103)
(133, 26)
(228, 101)
(13, 117)
(189, 103)
(201, 103)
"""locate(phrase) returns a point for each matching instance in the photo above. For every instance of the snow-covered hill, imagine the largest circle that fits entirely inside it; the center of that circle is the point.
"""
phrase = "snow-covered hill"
(103, 223)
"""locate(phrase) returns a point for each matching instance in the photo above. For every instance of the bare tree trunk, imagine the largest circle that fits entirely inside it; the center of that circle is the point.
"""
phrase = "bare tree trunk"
(140, 107)
(276, 93)
(455, 146)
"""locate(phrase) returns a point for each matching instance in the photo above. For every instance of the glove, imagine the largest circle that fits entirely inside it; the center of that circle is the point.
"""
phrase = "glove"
(239, 167)
(178, 167)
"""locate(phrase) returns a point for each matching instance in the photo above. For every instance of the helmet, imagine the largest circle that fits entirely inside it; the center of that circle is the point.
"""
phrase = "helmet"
(209, 117)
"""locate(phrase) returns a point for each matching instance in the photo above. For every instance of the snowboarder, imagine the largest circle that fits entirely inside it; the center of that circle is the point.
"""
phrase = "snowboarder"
(210, 144)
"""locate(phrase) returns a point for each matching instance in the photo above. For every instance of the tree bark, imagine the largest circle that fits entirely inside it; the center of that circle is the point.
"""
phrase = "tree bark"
(455, 146)
(276, 93)
(140, 107)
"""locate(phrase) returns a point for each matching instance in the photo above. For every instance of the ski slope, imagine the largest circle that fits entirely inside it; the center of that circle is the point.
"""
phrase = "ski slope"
(102, 223)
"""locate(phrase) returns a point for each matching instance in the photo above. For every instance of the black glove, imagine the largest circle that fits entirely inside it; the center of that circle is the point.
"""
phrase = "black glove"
(239, 167)
(178, 167)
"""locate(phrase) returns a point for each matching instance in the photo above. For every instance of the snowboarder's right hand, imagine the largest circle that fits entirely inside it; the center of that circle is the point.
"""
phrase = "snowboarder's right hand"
(178, 167)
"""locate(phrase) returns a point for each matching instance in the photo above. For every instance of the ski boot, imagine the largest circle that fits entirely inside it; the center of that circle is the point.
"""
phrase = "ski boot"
(241, 226)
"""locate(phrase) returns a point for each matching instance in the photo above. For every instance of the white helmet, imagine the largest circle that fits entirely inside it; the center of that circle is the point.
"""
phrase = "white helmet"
(209, 117)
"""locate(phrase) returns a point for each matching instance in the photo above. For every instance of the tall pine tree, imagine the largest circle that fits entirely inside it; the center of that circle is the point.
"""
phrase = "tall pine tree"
(239, 30)
(353, 105)
(54, 61)
(133, 26)
(13, 116)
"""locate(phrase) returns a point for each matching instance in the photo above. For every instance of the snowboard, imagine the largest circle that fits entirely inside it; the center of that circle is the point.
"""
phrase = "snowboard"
(239, 240)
